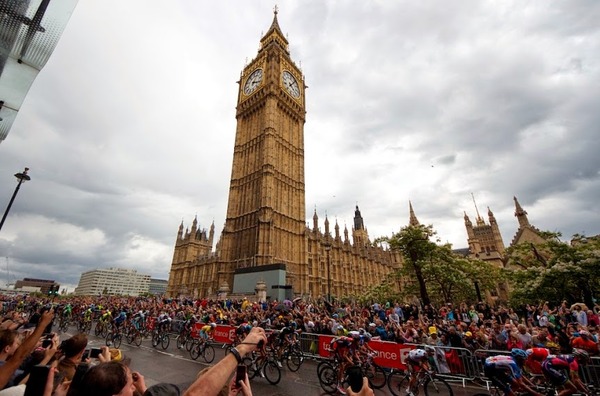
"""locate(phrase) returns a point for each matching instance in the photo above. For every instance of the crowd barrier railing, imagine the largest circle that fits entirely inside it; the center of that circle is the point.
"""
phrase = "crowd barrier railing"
(455, 364)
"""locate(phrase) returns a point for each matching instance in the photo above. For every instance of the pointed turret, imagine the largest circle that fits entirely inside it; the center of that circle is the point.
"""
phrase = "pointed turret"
(194, 225)
(358, 220)
(315, 221)
(326, 225)
(180, 231)
(274, 34)
(521, 214)
(498, 242)
(211, 234)
(413, 221)
(346, 239)
(337, 230)
(469, 227)
(491, 216)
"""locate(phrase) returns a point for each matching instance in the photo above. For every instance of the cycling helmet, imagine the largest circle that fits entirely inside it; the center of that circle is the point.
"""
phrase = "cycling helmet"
(367, 337)
(581, 354)
(248, 327)
(213, 325)
(518, 353)
(354, 334)
(361, 331)
(293, 324)
(420, 354)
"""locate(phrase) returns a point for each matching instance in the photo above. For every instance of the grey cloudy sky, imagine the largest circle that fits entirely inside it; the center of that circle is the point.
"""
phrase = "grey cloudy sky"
(130, 126)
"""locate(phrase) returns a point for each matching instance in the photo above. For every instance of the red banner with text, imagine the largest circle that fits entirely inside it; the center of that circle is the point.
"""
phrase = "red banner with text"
(388, 354)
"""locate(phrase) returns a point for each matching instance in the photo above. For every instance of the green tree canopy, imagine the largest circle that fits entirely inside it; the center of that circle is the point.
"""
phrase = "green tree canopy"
(555, 271)
(439, 274)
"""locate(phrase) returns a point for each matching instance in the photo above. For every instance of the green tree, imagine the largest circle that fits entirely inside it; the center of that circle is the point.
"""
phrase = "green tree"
(414, 243)
(555, 270)
(438, 271)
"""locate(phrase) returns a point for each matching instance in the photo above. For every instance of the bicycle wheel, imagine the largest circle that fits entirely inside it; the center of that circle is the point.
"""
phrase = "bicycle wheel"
(437, 387)
(98, 329)
(321, 365)
(164, 342)
(109, 337)
(397, 383)
(376, 376)
(195, 350)
(327, 377)
(155, 339)
(117, 340)
(294, 361)
(180, 341)
(188, 344)
(251, 367)
(106, 329)
(272, 372)
(209, 353)
(129, 337)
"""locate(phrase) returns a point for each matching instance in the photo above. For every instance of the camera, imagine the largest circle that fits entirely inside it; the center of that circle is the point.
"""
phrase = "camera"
(47, 341)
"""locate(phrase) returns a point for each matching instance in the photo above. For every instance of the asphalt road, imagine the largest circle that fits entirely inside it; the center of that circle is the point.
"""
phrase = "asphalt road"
(176, 367)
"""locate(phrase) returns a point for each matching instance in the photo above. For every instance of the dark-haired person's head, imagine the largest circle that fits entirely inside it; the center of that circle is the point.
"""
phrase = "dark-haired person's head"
(9, 342)
(75, 345)
(108, 379)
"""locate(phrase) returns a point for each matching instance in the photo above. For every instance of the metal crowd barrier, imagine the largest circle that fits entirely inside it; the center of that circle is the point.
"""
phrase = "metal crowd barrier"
(460, 364)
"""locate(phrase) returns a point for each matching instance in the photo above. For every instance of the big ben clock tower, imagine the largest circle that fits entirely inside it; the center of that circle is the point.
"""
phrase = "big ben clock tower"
(265, 221)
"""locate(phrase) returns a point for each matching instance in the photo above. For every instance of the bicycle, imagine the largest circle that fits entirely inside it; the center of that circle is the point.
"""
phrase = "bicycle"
(160, 337)
(183, 337)
(293, 356)
(265, 366)
(327, 373)
(375, 374)
(114, 337)
(398, 382)
(133, 335)
(63, 324)
(201, 347)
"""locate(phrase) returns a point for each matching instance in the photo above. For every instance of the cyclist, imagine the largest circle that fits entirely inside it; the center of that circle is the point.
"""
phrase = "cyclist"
(139, 320)
(562, 371)
(535, 358)
(505, 372)
(120, 320)
(416, 361)
(286, 338)
(341, 350)
(67, 311)
(164, 322)
(240, 333)
(206, 331)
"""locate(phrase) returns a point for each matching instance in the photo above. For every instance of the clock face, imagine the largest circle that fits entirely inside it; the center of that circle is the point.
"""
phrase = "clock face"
(253, 81)
(290, 84)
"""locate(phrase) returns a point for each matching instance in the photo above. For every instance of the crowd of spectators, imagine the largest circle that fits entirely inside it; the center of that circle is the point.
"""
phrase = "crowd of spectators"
(464, 327)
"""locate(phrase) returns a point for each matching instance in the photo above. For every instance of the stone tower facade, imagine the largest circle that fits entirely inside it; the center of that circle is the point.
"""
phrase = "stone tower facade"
(266, 210)
(266, 213)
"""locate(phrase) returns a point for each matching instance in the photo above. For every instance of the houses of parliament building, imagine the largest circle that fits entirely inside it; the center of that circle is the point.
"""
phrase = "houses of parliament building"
(265, 236)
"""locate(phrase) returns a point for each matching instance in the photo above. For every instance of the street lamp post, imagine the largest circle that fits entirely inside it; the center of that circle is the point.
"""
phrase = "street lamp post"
(22, 177)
